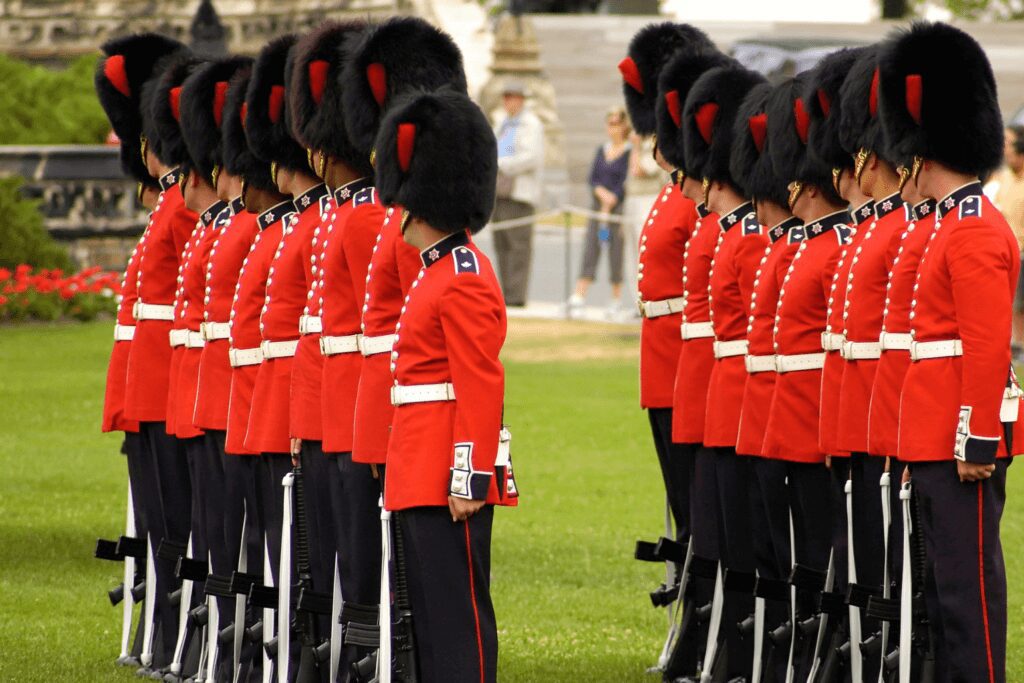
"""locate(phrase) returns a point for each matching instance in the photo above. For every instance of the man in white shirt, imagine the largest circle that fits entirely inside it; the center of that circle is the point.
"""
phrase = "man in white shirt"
(520, 137)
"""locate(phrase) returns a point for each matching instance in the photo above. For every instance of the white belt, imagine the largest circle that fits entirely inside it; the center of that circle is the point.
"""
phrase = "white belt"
(215, 331)
(893, 341)
(283, 349)
(422, 393)
(696, 330)
(194, 340)
(936, 349)
(124, 332)
(240, 357)
(759, 364)
(370, 346)
(178, 337)
(143, 311)
(832, 341)
(861, 350)
(310, 324)
(728, 349)
(332, 346)
(799, 361)
(656, 309)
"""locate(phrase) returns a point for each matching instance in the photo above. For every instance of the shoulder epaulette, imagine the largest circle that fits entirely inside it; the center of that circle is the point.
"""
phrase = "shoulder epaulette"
(845, 233)
(751, 226)
(797, 234)
(364, 196)
(970, 206)
(465, 261)
(325, 205)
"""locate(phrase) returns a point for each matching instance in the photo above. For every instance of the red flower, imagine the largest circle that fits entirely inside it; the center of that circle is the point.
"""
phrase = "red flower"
(20, 287)
(4, 275)
(67, 294)
(3, 300)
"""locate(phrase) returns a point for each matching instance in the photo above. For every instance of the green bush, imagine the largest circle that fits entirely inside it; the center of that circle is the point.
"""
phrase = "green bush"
(23, 238)
(41, 106)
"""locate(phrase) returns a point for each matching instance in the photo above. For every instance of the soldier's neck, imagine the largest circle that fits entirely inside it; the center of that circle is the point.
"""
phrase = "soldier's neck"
(339, 175)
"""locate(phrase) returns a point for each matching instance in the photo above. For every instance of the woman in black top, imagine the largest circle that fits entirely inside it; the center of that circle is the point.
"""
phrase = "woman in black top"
(607, 182)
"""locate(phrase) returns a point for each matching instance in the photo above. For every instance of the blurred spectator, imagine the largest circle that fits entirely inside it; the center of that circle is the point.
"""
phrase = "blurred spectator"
(643, 184)
(607, 183)
(1006, 188)
(520, 137)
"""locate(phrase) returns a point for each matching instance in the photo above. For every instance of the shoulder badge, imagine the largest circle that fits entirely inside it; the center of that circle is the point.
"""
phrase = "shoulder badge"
(364, 196)
(751, 226)
(797, 234)
(845, 233)
(325, 205)
(465, 261)
(971, 206)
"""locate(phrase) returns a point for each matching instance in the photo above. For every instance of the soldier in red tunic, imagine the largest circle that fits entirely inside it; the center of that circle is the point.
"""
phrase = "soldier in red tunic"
(289, 279)
(446, 468)
(662, 239)
(792, 433)
(751, 166)
(708, 122)
(960, 401)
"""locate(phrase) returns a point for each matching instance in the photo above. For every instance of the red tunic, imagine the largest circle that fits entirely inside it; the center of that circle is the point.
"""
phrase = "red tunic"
(741, 246)
(759, 386)
(452, 330)
(865, 302)
(268, 430)
(832, 373)
(883, 422)
(352, 232)
(662, 241)
(113, 398)
(950, 406)
(393, 267)
(230, 246)
(246, 305)
(149, 362)
(696, 354)
(792, 432)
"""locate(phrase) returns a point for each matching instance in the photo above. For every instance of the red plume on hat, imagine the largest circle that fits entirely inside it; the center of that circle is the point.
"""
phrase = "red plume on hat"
(267, 127)
(749, 159)
(203, 104)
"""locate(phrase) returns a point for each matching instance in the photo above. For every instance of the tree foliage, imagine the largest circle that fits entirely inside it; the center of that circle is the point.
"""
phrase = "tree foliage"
(42, 106)
(23, 238)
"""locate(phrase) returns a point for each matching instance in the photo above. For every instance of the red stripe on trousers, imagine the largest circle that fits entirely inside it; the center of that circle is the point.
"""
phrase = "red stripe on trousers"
(476, 613)
(981, 578)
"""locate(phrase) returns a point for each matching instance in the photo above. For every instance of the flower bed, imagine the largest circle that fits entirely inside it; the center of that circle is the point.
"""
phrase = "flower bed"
(50, 295)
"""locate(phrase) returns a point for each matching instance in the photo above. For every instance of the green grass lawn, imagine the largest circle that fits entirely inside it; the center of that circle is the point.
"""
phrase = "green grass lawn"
(571, 602)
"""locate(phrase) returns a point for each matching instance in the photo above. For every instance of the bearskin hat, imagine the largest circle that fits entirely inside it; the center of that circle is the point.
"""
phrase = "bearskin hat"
(391, 58)
(437, 157)
(674, 83)
(788, 130)
(314, 91)
(859, 126)
(202, 112)
(161, 102)
(750, 162)
(239, 159)
(937, 97)
(133, 164)
(649, 50)
(708, 118)
(824, 106)
(266, 123)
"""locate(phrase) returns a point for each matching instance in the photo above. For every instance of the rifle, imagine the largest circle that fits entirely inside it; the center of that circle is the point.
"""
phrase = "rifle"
(128, 590)
(310, 604)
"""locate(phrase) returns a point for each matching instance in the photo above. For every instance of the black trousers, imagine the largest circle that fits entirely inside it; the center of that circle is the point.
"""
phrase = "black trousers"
(215, 505)
(241, 499)
(967, 594)
(196, 455)
(319, 520)
(704, 505)
(133, 451)
(272, 469)
(448, 568)
(677, 464)
(838, 476)
(732, 476)
(165, 470)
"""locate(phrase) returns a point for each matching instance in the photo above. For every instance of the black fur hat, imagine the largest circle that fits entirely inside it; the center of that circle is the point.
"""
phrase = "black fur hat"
(133, 164)
(313, 85)
(161, 101)
(202, 112)
(674, 83)
(750, 161)
(129, 62)
(238, 157)
(788, 130)
(824, 105)
(708, 118)
(266, 125)
(393, 57)
(937, 97)
(859, 126)
(437, 157)
(649, 50)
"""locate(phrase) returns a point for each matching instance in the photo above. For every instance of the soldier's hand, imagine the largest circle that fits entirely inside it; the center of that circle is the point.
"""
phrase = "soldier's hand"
(972, 471)
(828, 461)
(906, 475)
(296, 448)
(463, 509)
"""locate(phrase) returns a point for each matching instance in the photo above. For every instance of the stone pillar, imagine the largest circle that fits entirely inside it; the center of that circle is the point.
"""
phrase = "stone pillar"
(517, 56)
